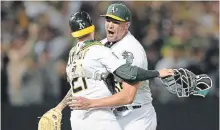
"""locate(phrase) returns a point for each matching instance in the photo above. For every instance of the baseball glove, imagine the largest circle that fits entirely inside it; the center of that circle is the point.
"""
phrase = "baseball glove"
(51, 120)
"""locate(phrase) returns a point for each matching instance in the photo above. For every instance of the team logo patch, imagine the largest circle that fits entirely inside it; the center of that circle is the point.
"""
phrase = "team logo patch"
(128, 56)
(82, 25)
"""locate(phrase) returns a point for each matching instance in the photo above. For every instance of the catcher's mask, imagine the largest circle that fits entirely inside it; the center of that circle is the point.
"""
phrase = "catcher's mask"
(185, 83)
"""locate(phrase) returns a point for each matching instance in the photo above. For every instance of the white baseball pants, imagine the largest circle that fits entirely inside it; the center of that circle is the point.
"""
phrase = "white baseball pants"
(98, 119)
(143, 118)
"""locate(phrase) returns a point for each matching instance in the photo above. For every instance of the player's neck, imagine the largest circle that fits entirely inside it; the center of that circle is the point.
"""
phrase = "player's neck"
(89, 37)
(126, 32)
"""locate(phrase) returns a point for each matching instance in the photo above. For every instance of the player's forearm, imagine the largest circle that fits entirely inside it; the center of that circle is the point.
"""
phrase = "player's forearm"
(63, 103)
(135, 74)
(121, 98)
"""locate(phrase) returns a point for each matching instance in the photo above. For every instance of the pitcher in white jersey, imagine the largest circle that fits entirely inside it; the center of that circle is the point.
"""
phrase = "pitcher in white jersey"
(88, 65)
(139, 114)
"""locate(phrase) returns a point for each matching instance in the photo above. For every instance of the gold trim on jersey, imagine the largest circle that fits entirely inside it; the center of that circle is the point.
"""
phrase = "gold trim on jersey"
(91, 44)
(83, 31)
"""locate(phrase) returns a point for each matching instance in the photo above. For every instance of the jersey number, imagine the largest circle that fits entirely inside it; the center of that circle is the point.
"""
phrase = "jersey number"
(79, 84)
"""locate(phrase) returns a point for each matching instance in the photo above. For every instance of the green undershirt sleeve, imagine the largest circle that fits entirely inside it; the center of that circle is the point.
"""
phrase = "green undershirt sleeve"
(134, 74)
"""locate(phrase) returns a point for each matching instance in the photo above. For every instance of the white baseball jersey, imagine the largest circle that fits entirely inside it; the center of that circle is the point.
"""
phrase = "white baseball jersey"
(132, 52)
(97, 60)
(143, 118)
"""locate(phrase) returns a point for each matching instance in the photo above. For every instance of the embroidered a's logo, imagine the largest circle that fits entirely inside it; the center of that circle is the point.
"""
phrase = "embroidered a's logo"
(128, 56)
(114, 9)
(82, 25)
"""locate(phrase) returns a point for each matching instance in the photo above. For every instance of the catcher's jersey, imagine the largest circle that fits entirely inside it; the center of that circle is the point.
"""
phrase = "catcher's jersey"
(132, 52)
(97, 59)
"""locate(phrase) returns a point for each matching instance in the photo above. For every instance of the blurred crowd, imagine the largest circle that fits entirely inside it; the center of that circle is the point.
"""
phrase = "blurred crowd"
(35, 42)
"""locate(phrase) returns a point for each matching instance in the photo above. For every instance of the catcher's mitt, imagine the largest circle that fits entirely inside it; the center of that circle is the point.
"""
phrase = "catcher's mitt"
(51, 120)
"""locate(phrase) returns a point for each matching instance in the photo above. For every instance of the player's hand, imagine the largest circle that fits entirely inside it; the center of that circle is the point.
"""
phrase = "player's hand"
(79, 103)
(166, 72)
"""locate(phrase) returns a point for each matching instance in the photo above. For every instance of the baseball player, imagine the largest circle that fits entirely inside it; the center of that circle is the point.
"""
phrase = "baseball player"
(140, 113)
(88, 65)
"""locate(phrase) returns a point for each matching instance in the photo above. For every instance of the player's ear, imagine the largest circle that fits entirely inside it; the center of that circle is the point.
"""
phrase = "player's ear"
(127, 25)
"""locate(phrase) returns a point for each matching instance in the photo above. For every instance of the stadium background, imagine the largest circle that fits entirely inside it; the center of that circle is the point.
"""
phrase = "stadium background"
(35, 40)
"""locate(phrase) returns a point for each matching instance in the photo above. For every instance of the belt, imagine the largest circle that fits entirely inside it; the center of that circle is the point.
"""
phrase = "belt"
(123, 108)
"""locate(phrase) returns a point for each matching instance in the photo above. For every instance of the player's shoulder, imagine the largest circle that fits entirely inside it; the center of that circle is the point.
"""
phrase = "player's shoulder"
(131, 43)
(98, 47)
(72, 50)
(104, 41)
(99, 52)
(130, 40)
